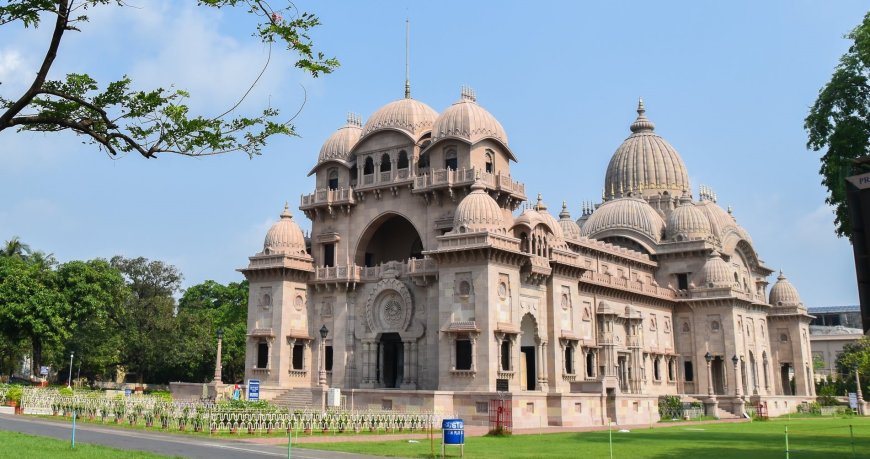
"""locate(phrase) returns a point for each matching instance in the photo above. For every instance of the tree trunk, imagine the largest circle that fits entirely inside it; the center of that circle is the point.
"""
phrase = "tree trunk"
(37, 356)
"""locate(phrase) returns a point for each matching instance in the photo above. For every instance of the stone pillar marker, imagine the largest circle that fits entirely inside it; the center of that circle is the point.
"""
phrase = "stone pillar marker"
(861, 407)
(218, 365)
(322, 367)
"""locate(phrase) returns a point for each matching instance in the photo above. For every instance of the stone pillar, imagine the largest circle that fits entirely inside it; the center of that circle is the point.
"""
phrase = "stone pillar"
(406, 362)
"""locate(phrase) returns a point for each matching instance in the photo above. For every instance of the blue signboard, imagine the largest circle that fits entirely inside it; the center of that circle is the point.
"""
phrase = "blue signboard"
(253, 390)
(128, 392)
(454, 431)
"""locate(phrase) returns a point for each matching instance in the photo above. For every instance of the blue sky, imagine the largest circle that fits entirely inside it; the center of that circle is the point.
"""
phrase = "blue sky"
(727, 83)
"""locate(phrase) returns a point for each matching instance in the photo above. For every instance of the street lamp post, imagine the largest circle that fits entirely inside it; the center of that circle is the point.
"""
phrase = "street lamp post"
(859, 393)
(69, 379)
(322, 366)
(217, 365)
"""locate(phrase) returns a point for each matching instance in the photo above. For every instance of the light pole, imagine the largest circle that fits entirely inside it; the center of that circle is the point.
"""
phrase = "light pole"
(217, 365)
(69, 380)
(858, 391)
(322, 366)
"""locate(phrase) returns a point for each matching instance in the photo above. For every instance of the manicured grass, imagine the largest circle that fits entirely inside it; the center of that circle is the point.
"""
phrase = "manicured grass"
(14, 445)
(808, 438)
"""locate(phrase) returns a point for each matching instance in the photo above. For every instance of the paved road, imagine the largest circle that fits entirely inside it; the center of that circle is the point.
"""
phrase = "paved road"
(168, 444)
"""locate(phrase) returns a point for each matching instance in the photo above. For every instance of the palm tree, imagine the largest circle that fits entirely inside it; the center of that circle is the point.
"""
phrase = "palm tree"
(15, 248)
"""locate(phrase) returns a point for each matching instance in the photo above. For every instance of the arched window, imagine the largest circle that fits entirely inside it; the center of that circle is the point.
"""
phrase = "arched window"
(689, 371)
(369, 166)
(657, 372)
(386, 165)
(672, 371)
(402, 163)
(423, 162)
(505, 355)
(332, 178)
(353, 172)
(524, 242)
(490, 162)
(450, 160)
(569, 359)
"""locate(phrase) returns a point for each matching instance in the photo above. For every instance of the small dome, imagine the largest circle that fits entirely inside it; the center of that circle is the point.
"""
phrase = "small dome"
(717, 273)
(687, 222)
(721, 222)
(783, 293)
(530, 217)
(625, 214)
(645, 163)
(478, 212)
(409, 115)
(285, 236)
(548, 219)
(468, 121)
(569, 227)
(338, 146)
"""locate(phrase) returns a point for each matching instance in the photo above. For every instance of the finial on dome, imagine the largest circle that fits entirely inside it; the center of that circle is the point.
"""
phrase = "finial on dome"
(642, 123)
(478, 184)
(730, 210)
(466, 93)
(354, 119)
(407, 58)
(286, 213)
(781, 275)
(564, 213)
(540, 205)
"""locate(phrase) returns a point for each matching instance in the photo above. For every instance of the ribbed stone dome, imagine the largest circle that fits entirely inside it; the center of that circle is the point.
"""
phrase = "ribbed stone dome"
(625, 214)
(478, 212)
(687, 222)
(569, 227)
(468, 121)
(645, 163)
(716, 272)
(409, 115)
(285, 236)
(721, 222)
(339, 144)
(783, 293)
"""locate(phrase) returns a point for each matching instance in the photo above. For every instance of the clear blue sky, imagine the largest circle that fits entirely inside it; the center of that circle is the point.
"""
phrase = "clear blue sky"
(727, 83)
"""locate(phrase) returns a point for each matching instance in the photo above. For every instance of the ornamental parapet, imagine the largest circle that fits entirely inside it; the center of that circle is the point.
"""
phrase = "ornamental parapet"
(353, 273)
(608, 280)
(279, 261)
(478, 239)
(448, 178)
(327, 197)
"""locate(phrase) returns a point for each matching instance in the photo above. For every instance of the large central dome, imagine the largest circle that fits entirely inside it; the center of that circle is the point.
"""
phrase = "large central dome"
(645, 164)
(408, 115)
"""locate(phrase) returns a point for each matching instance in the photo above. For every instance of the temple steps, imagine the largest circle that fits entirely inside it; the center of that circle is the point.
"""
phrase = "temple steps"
(298, 397)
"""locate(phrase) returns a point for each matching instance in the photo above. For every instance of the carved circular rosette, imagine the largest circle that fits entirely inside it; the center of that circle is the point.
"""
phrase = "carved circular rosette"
(389, 307)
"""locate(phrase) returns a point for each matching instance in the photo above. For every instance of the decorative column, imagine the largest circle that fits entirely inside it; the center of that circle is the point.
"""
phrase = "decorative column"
(217, 365)
(740, 404)
(406, 362)
(322, 366)
(861, 408)
(711, 403)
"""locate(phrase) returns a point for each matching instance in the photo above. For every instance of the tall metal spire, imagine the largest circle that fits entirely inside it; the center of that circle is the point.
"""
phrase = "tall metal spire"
(407, 59)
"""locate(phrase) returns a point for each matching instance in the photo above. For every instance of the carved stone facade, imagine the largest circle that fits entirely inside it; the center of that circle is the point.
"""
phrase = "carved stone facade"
(436, 292)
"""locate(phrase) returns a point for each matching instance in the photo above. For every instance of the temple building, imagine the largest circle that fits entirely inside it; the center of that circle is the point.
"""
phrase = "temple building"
(438, 286)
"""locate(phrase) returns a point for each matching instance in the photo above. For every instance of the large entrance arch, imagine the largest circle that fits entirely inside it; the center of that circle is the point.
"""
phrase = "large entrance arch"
(390, 360)
(390, 237)
(528, 354)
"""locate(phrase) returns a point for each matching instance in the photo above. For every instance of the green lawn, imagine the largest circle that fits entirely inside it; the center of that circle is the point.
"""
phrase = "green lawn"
(827, 438)
(14, 445)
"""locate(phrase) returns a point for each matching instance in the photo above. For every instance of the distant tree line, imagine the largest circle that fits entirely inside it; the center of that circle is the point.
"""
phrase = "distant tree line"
(116, 314)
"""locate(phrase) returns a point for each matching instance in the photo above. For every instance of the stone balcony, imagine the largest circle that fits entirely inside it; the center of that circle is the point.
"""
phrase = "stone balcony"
(353, 273)
(608, 280)
(447, 179)
(327, 200)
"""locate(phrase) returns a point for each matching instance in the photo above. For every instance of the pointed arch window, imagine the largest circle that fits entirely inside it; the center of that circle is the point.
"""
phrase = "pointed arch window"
(450, 161)
(369, 166)
(386, 164)
(332, 178)
(402, 163)
(490, 162)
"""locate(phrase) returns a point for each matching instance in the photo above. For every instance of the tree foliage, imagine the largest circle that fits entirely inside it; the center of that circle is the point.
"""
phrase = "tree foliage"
(855, 356)
(118, 118)
(839, 121)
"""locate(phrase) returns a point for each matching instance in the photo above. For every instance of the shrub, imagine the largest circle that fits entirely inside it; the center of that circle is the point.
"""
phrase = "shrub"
(66, 391)
(14, 393)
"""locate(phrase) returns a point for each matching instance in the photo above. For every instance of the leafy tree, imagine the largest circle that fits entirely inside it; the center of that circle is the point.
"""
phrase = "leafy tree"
(96, 293)
(855, 356)
(117, 118)
(147, 323)
(218, 307)
(839, 121)
(31, 307)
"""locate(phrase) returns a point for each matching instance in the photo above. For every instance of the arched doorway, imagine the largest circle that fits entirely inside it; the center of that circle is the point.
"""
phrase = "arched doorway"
(390, 360)
(389, 237)
(528, 356)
